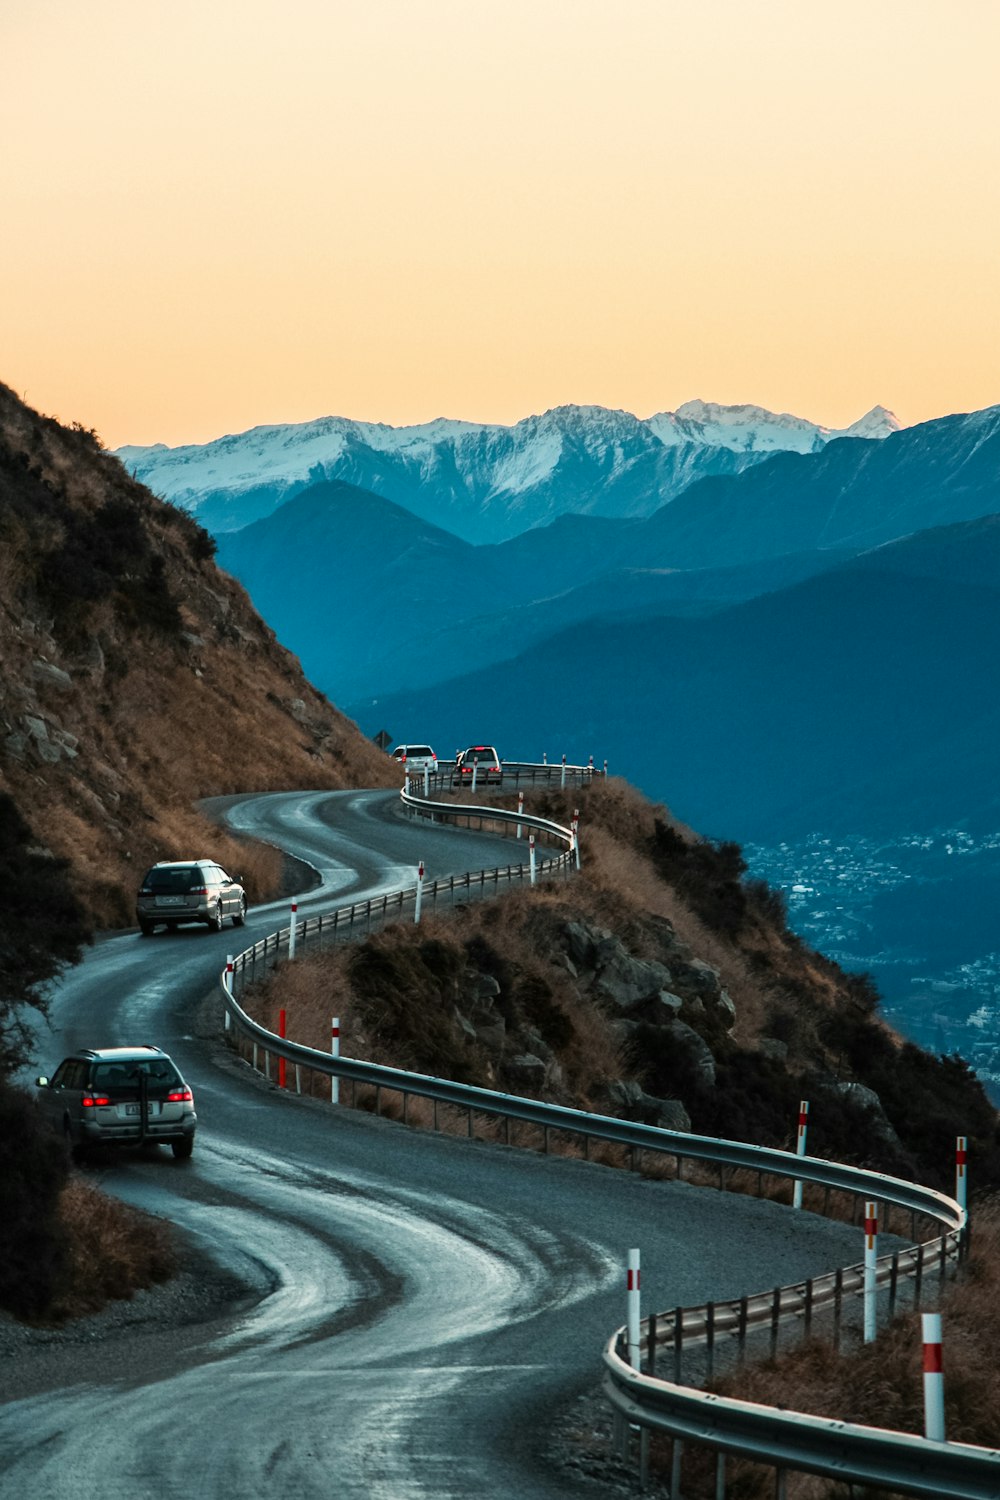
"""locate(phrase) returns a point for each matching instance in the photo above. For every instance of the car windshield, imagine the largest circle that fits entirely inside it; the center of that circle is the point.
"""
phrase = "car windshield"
(173, 879)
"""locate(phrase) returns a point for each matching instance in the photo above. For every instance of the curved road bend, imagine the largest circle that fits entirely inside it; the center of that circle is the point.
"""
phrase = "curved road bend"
(423, 1305)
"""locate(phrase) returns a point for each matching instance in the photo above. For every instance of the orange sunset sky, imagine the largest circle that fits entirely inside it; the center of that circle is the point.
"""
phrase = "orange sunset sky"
(216, 214)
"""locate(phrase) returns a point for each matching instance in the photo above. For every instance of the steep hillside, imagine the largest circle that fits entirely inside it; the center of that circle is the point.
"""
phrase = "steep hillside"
(660, 985)
(136, 677)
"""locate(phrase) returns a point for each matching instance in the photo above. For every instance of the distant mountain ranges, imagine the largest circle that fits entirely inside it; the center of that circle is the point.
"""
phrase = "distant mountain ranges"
(485, 483)
(808, 643)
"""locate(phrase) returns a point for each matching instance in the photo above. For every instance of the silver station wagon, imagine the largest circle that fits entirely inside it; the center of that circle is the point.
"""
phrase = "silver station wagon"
(119, 1096)
(190, 890)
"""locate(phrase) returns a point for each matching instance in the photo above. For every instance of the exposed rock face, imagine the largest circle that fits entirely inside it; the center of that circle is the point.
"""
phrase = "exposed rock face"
(870, 1102)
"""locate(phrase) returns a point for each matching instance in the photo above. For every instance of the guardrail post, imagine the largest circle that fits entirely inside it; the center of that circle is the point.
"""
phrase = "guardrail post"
(334, 1052)
(291, 932)
(632, 1300)
(800, 1149)
(933, 1378)
(675, 1469)
(420, 892)
(281, 1060)
(531, 856)
(871, 1269)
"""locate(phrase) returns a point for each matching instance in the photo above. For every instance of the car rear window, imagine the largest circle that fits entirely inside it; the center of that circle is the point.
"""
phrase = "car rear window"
(172, 881)
(420, 750)
(111, 1076)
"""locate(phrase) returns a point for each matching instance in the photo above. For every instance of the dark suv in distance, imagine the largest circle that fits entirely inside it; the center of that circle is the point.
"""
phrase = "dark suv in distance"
(119, 1096)
(189, 890)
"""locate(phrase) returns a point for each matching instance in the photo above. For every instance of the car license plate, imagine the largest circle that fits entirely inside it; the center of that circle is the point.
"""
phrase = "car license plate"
(152, 1108)
(132, 1109)
(170, 900)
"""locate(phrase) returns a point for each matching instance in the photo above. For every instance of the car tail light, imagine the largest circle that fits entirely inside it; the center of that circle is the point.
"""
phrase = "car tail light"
(180, 1096)
(198, 890)
(91, 1101)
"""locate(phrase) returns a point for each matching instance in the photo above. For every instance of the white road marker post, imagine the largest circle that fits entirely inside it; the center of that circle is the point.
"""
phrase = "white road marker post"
(475, 770)
(633, 1311)
(520, 810)
(871, 1265)
(531, 856)
(292, 929)
(334, 1052)
(961, 1175)
(420, 892)
(933, 1378)
(562, 778)
(605, 768)
(800, 1149)
(427, 780)
(576, 835)
(545, 758)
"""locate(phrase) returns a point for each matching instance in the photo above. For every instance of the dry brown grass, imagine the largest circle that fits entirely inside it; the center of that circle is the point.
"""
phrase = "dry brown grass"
(160, 718)
(114, 1251)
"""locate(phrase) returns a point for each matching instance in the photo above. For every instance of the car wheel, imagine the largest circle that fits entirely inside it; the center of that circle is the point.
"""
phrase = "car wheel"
(241, 915)
(146, 928)
(182, 1149)
(216, 920)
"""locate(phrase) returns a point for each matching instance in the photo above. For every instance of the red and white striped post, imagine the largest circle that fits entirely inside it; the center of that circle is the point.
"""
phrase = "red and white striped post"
(871, 1264)
(590, 764)
(292, 929)
(520, 810)
(933, 1378)
(281, 1060)
(633, 1310)
(229, 986)
(562, 777)
(420, 892)
(335, 1052)
(800, 1149)
(531, 856)
(961, 1176)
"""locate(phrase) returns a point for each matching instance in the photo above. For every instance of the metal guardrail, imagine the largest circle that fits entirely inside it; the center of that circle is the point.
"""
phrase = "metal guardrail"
(785, 1439)
(788, 1440)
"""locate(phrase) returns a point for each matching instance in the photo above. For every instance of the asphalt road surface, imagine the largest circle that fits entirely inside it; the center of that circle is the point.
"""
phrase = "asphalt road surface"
(417, 1307)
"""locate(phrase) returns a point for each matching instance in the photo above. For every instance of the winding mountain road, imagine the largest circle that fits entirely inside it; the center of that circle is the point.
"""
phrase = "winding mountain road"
(418, 1307)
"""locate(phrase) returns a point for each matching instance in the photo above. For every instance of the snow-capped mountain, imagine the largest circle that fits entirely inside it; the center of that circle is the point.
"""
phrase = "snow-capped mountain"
(484, 482)
(751, 429)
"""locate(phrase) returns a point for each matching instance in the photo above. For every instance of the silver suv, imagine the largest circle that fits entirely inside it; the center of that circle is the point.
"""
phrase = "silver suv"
(190, 890)
(119, 1096)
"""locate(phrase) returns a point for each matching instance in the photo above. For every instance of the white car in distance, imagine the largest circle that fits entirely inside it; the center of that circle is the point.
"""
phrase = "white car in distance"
(414, 760)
